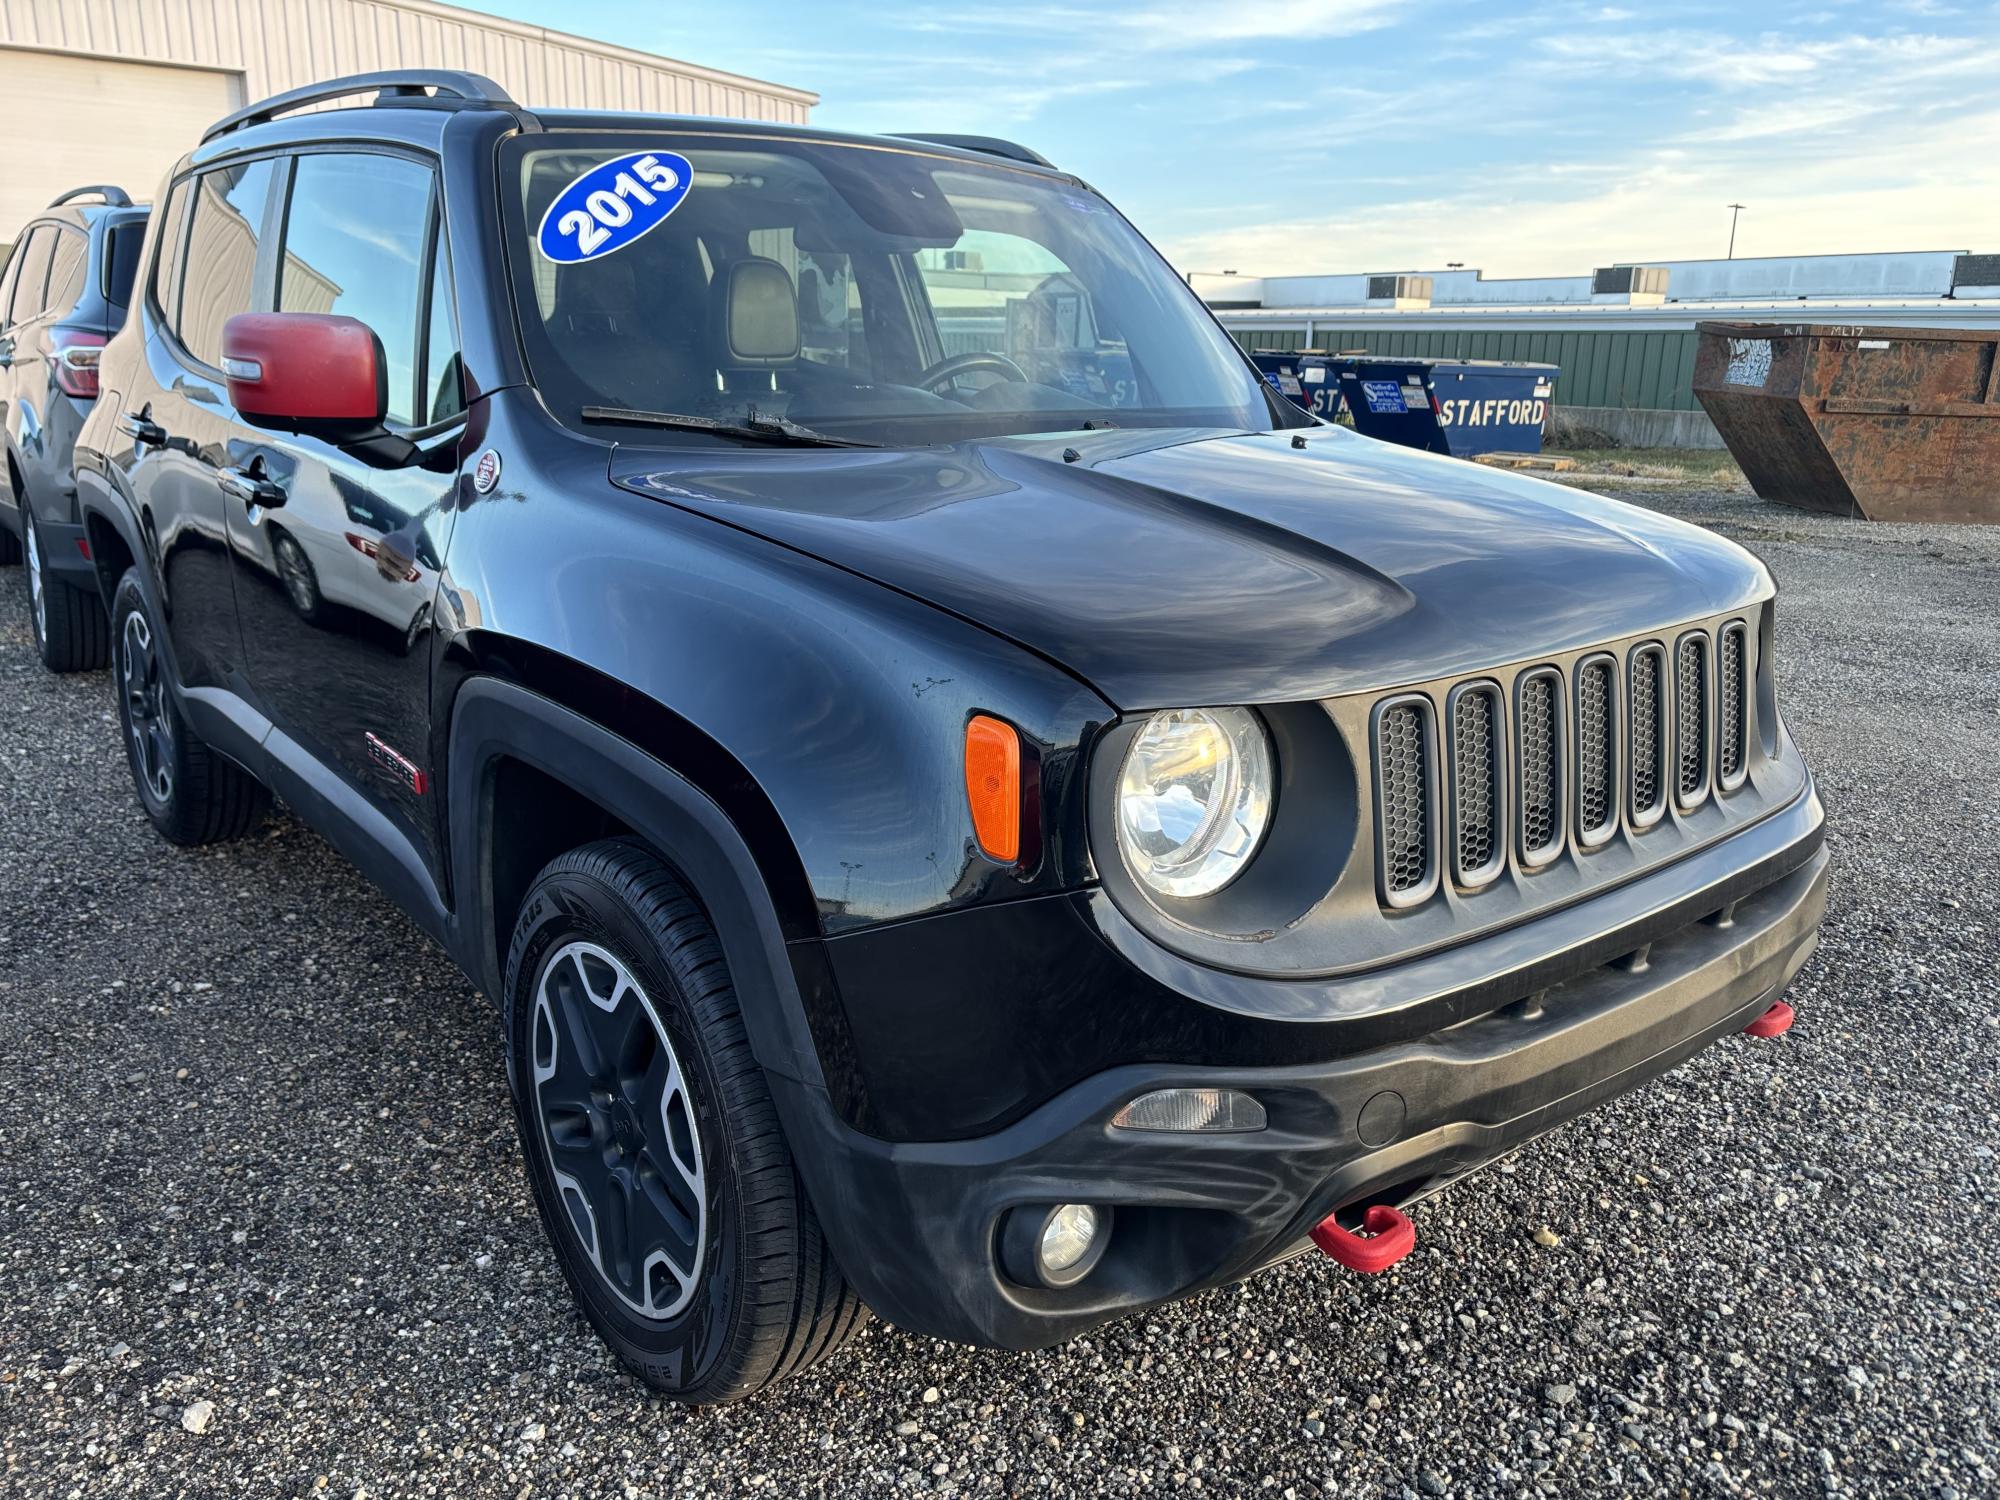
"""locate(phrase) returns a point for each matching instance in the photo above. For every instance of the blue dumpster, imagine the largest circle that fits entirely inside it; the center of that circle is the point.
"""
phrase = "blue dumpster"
(1281, 368)
(1463, 407)
(1320, 386)
(1305, 377)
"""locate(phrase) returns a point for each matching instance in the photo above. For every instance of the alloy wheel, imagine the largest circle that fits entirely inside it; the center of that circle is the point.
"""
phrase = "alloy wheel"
(37, 599)
(147, 721)
(619, 1125)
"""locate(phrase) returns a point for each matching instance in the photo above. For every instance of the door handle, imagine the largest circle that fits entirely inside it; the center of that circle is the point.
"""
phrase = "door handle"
(142, 429)
(250, 486)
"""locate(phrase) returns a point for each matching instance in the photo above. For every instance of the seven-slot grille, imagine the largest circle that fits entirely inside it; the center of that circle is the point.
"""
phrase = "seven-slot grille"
(1621, 738)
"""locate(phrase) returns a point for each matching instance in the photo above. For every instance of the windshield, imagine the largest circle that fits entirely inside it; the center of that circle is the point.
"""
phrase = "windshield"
(849, 292)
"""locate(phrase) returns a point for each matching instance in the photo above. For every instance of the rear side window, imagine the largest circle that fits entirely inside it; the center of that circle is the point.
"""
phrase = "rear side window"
(167, 263)
(66, 269)
(33, 281)
(221, 265)
(357, 236)
(121, 261)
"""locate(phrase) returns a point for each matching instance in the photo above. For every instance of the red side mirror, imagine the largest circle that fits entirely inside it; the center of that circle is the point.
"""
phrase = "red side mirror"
(309, 372)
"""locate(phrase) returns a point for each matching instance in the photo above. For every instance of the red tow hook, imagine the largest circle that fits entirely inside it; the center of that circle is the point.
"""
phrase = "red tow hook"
(1774, 1022)
(1391, 1236)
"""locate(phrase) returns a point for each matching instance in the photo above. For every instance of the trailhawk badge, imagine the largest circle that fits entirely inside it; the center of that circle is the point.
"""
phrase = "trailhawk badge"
(486, 473)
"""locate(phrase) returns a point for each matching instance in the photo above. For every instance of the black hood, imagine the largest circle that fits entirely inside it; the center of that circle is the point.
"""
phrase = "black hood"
(1176, 568)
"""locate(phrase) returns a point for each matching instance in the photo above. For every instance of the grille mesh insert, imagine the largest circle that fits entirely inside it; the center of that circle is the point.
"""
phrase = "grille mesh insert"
(1691, 717)
(1519, 771)
(1733, 703)
(1596, 749)
(1406, 797)
(1646, 716)
(1540, 790)
(1475, 751)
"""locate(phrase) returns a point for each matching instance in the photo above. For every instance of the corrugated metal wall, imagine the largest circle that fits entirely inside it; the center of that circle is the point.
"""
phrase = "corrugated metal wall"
(1611, 367)
(280, 44)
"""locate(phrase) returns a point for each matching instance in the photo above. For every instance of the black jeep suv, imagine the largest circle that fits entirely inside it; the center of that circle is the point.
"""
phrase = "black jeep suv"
(968, 804)
(65, 292)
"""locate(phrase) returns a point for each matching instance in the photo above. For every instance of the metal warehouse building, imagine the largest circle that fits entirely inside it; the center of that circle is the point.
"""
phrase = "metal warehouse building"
(1624, 335)
(116, 90)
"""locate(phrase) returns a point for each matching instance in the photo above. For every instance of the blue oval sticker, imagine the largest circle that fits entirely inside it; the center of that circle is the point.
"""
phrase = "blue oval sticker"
(613, 204)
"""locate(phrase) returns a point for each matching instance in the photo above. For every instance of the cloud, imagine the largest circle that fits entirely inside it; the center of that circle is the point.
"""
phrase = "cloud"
(1911, 189)
(1174, 25)
(1849, 143)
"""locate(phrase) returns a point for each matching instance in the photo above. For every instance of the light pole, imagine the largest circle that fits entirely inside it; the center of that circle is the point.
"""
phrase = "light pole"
(1734, 210)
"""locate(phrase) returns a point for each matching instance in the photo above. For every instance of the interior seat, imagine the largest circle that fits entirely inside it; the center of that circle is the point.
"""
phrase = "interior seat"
(632, 327)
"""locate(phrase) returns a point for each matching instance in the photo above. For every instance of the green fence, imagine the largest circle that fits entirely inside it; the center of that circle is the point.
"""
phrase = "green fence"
(1608, 368)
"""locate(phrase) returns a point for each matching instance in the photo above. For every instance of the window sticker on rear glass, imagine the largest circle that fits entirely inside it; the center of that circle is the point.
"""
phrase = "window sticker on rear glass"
(613, 204)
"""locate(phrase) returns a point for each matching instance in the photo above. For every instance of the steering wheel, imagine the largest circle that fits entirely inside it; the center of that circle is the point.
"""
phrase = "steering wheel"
(946, 370)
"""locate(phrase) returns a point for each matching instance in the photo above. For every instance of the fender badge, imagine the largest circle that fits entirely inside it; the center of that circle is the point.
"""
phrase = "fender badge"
(486, 473)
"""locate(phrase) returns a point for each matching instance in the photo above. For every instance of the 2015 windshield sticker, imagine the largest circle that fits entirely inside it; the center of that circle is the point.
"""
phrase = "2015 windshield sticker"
(613, 204)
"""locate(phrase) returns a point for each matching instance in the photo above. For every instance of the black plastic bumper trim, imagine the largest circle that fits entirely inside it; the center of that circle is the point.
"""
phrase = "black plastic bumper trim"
(914, 1223)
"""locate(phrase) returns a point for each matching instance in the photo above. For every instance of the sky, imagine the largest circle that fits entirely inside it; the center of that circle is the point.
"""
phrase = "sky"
(1382, 135)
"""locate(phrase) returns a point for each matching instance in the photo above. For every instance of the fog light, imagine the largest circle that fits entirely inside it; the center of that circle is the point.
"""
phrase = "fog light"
(1056, 1246)
(1068, 1236)
(1217, 1111)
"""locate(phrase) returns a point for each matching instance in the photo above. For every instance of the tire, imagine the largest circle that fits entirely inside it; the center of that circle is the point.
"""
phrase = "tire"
(192, 794)
(72, 632)
(725, 1284)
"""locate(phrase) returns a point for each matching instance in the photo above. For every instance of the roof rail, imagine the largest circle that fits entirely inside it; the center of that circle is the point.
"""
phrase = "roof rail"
(991, 145)
(398, 83)
(117, 197)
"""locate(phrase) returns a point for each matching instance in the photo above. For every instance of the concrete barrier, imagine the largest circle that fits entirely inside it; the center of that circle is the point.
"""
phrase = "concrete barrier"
(1631, 427)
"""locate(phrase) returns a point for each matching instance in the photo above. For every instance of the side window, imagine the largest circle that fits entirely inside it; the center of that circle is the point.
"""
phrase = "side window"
(444, 389)
(10, 272)
(167, 260)
(356, 233)
(221, 264)
(33, 281)
(66, 271)
(118, 261)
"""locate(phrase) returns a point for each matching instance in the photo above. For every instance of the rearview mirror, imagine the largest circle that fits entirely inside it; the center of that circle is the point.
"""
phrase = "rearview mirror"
(314, 373)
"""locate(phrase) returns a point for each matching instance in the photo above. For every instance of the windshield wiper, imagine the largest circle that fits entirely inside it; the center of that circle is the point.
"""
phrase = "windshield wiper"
(754, 428)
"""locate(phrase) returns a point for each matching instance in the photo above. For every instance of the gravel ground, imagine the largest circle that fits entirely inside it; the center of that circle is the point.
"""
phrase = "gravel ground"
(263, 1228)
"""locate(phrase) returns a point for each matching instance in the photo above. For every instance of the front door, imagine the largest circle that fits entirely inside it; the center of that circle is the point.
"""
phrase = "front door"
(337, 558)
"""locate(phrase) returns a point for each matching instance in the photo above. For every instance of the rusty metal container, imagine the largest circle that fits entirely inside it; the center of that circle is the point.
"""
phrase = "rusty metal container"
(1893, 424)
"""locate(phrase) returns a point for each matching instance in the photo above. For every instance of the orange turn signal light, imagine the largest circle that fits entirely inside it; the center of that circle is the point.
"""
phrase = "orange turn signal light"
(993, 786)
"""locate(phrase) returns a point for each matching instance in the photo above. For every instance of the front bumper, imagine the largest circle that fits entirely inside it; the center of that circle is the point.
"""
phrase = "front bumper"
(916, 1224)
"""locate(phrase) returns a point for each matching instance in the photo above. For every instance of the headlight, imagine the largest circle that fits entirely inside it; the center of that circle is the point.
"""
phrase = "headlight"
(1194, 798)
